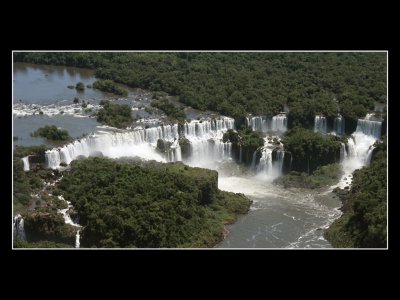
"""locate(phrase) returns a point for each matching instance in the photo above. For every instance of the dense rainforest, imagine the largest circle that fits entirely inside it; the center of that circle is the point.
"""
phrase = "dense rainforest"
(118, 202)
(149, 204)
(239, 83)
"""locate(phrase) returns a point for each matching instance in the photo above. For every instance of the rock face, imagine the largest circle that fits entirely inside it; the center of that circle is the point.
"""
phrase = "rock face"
(186, 148)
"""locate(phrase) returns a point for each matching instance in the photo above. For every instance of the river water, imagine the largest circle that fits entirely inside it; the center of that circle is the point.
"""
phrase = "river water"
(278, 218)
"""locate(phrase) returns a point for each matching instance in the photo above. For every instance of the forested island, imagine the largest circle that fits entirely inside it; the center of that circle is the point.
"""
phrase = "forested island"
(279, 108)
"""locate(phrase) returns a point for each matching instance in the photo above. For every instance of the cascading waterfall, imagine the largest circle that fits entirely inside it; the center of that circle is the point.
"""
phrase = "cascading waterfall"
(371, 128)
(280, 156)
(19, 230)
(338, 125)
(68, 220)
(359, 148)
(320, 124)
(279, 123)
(268, 167)
(205, 137)
(77, 239)
(25, 160)
(264, 124)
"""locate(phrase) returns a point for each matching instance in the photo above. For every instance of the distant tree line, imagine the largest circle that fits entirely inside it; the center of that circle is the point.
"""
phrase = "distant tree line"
(235, 84)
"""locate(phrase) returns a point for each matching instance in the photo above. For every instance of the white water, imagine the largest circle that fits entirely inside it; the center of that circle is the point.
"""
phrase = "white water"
(279, 218)
(68, 220)
(264, 124)
(359, 149)
(18, 227)
(267, 168)
(76, 110)
(205, 137)
(26, 163)
(320, 124)
(77, 240)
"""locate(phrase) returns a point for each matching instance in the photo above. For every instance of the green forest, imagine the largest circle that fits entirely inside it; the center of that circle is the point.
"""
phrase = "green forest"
(149, 205)
(235, 84)
(114, 115)
(123, 204)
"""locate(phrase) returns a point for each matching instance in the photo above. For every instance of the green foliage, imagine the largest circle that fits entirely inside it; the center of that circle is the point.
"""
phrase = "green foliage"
(48, 225)
(110, 87)
(114, 115)
(310, 150)
(170, 109)
(80, 86)
(24, 183)
(76, 100)
(71, 87)
(52, 133)
(364, 220)
(148, 204)
(248, 140)
(323, 176)
(40, 244)
(238, 83)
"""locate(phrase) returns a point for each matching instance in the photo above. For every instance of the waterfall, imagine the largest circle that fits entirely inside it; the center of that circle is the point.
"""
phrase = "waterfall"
(205, 137)
(25, 160)
(240, 153)
(77, 239)
(267, 167)
(253, 161)
(265, 164)
(264, 124)
(320, 124)
(19, 230)
(371, 128)
(338, 125)
(280, 156)
(359, 148)
(68, 220)
(279, 123)
(343, 153)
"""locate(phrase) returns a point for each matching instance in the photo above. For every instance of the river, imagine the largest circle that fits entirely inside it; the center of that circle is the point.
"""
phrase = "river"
(278, 218)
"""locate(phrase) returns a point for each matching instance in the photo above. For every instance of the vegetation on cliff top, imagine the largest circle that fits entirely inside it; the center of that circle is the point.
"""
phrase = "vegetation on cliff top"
(149, 204)
(115, 115)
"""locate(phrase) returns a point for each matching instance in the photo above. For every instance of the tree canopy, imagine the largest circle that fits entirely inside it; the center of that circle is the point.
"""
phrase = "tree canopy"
(149, 205)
